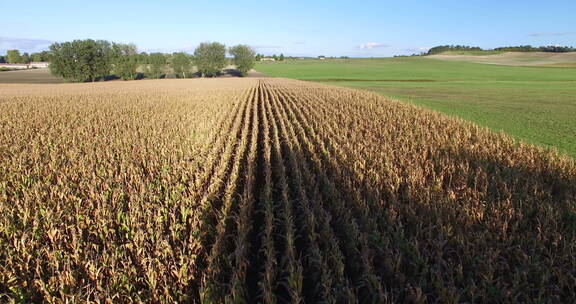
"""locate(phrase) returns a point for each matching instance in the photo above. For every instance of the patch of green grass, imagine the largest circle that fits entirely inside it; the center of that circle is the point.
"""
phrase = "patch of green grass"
(534, 104)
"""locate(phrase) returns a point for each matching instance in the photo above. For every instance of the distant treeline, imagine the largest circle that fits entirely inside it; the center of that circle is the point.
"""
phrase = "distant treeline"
(94, 60)
(521, 48)
(529, 48)
(14, 56)
(281, 57)
(446, 48)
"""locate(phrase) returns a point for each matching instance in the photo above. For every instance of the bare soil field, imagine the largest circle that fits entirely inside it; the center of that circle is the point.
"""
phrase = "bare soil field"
(518, 59)
(29, 76)
(254, 190)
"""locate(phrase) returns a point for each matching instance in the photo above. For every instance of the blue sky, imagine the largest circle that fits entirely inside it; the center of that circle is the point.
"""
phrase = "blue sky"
(299, 28)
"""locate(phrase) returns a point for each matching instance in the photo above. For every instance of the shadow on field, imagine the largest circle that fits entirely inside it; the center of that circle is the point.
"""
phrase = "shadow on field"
(496, 226)
(232, 72)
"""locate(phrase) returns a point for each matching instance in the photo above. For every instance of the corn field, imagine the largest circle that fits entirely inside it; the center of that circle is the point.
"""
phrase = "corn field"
(272, 191)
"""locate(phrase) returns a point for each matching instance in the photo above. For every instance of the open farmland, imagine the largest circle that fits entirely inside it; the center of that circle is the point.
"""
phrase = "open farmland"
(514, 58)
(273, 191)
(533, 104)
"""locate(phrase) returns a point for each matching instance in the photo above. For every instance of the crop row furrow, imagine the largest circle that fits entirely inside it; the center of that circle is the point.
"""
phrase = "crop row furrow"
(213, 215)
(344, 224)
(369, 287)
(292, 277)
(220, 265)
(321, 284)
(248, 219)
(269, 272)
(213, 148)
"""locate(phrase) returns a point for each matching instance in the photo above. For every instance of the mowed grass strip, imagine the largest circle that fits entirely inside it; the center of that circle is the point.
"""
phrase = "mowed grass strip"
(533, 104)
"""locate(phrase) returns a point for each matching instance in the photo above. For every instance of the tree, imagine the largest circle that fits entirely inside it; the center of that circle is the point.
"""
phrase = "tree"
(81, 60)
(181, 64)
(445, 48)
(281, 58)
(36, 57)
(157, 62)
(210, 57)
(2, 59)
(39, 57)
(125, 59)
(143, 58)
(13, 56)
(25, 58)
(244, 58)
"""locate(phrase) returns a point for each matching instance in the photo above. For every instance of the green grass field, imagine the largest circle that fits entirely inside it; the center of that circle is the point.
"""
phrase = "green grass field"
(534, 104)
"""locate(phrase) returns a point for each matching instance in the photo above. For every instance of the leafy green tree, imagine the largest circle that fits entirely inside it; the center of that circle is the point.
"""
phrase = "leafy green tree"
(143, 58)
(157, 62)
(210, 58)
(181, 63)
(36, 57)
(445, 48)
(125, 59)
(143, 62)
(40, 56)
(25, 58)
(81, 60)
(45, 56)
(13, 56)
(2, 59)
(281, 57)
(244, 58)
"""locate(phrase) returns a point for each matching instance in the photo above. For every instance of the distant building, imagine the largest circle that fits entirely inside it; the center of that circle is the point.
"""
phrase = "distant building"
(39, 65)
(14, 66)
(322, 57)
(267, 59)
(24, 66)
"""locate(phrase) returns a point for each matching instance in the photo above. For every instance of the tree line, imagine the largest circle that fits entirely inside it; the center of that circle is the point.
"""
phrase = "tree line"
(529, 48)
(94, 60)
(14, 56)
(521, 48)
(446, 48)
(275, 57)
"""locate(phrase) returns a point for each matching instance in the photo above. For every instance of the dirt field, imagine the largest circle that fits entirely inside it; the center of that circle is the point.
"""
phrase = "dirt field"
(518, 59)
(253, 190)
(29, 76)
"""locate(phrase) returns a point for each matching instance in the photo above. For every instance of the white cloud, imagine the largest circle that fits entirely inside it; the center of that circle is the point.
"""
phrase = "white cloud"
(418, 49)
(372, 45)
(24, 44)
